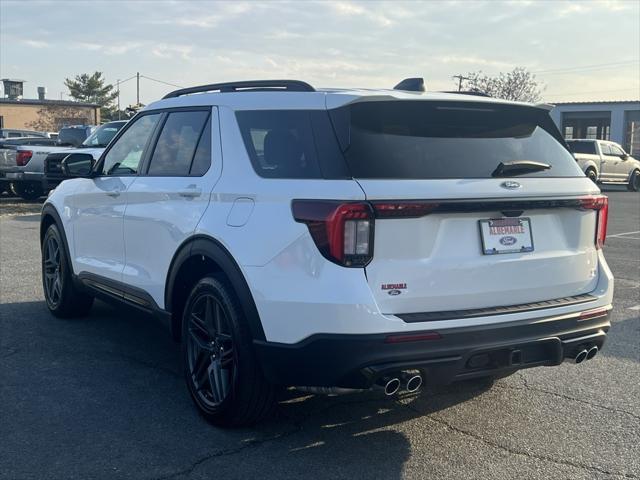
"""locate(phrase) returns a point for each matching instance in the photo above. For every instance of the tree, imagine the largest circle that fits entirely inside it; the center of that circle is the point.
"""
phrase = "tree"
(92, 89)
(518, 85)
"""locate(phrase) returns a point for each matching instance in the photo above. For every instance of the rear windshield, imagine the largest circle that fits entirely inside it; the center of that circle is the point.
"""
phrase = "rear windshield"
(582, 147)
(72, 137)
(431, 140)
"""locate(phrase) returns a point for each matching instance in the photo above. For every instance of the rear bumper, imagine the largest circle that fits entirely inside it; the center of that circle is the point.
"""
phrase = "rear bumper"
(357, 361)
(20, 176)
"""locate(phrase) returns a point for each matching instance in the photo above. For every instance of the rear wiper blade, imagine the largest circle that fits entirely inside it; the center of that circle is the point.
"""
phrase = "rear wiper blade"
(519, 167)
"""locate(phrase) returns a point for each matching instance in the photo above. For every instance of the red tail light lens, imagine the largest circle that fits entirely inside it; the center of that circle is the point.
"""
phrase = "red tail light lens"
(403, 209)
(600, 203)
(23, 157)
(342, 231)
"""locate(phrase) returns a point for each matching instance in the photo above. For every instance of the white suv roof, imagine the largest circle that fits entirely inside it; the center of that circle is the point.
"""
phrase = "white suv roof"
(254, 98)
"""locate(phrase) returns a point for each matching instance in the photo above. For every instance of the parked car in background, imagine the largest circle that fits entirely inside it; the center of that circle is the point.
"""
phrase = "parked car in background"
(9, 150)
(16, 133)
(94, 145)
(606, 162)
(24, 167)
(73, 136)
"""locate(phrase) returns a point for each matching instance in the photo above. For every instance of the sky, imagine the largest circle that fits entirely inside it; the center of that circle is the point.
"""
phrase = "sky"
(580, 51)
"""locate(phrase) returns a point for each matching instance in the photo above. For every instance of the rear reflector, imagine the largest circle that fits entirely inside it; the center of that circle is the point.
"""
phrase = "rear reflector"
(600, 203)
(413, 337)
(23, 157)
(598, 312)
(342, 231)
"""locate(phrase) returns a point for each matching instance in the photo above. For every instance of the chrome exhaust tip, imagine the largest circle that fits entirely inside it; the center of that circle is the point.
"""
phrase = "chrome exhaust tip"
(414, 383)
(593, 351)
(391, 386)
(581, 356)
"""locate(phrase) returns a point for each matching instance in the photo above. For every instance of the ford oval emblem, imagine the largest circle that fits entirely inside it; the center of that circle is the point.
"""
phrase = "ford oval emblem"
(510, 185)
(394, 292)
(506, 241)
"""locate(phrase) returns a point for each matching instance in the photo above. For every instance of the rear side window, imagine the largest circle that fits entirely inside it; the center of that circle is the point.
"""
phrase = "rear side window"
(431, 140)
(291, 144)
(586, 148)
(177, 143)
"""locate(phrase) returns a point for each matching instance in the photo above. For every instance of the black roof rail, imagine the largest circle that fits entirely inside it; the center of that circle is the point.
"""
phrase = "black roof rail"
(248, 85)
(477, 93)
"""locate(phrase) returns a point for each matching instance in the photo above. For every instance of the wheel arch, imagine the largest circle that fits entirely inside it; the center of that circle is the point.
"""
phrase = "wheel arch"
(198, 256)
(48, 217)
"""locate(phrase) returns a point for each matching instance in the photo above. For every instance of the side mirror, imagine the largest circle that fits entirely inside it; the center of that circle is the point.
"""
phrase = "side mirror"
(78, 165)
(624, 156)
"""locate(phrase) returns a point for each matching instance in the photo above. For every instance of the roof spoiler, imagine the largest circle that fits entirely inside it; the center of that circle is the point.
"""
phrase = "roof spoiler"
(411, 85)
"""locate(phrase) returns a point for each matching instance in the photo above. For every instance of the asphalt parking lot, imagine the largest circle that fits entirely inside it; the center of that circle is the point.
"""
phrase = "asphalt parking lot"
(103, 397)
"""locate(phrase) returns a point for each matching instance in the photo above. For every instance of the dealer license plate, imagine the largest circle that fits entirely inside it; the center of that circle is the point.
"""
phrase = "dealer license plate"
(506, 235)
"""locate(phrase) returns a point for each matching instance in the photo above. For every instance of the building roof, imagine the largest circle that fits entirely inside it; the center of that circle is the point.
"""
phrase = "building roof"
(35, 101)
(597, 102)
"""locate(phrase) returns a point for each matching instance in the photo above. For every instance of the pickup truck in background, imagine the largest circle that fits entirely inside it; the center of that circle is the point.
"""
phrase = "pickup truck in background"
(17, 151)
(606, 162)
(94, 145)
(24, 166)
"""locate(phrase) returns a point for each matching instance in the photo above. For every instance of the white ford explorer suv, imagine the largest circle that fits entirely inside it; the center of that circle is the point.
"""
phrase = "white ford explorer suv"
(336, 239)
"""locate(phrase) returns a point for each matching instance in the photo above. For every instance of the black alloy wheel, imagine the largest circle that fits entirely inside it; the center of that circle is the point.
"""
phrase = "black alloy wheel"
(210, 353)
(52, 271)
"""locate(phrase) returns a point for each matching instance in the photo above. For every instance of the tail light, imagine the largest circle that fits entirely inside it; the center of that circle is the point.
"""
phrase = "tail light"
(600, 203)
(23, 157)
(342, 231)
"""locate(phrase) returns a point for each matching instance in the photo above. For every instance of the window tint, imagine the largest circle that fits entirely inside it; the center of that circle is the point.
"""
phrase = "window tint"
(605, 149)
(427, 140)
(125, 155)
(202, 158)
(280, 143)
(177, 143)
(587, 148)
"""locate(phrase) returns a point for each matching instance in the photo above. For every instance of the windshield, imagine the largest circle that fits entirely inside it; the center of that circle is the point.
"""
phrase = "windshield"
(429, 140)
(101, 137)
(588, 148)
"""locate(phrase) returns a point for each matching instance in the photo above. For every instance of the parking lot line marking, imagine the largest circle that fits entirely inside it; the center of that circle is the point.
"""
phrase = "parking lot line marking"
(636, 307)
(623, 234)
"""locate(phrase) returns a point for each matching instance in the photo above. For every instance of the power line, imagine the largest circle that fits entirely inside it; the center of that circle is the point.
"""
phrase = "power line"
(162, 81)
(586, 67)
(460, 79)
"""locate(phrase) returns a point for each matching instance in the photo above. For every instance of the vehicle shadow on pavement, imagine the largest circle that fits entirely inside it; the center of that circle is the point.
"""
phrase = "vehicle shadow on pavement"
(110, 398)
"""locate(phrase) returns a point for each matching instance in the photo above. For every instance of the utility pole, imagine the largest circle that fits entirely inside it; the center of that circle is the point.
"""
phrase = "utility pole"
(137, 88)
(118, 84)
(460, 79)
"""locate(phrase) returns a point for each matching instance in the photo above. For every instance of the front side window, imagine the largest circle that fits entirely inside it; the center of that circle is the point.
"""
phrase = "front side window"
(176, 147)
(605, 149)
(615, 150)
(125, 155)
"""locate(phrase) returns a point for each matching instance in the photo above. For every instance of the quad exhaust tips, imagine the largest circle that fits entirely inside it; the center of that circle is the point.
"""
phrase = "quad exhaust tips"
(410, 381)
(585, 353)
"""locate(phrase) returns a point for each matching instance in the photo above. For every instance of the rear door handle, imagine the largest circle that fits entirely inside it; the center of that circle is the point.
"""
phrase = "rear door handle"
(114, 193)
(190, 192)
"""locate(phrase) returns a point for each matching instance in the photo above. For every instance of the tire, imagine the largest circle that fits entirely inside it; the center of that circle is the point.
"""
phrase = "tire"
(592, 175)
(634, 182)
(62, 297)
(216, 338)
(27, 190)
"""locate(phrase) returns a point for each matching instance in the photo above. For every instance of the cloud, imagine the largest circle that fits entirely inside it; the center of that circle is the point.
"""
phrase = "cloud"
(121, 49)
(472, 60)
(169, 51)
(348, 9)
(36, 43)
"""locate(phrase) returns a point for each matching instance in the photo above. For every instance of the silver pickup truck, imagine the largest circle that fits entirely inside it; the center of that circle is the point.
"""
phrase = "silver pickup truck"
(606, 162)
(24, 166)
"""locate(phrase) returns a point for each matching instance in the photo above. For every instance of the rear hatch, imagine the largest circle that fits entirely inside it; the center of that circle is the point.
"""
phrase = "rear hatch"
(477, 205)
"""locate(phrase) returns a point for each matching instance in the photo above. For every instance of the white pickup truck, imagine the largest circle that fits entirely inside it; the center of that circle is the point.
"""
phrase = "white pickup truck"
(606, 162)
(24, 166)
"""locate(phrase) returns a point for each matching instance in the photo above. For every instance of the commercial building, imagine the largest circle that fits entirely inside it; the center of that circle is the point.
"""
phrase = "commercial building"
(618, 121)
(41, 113)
